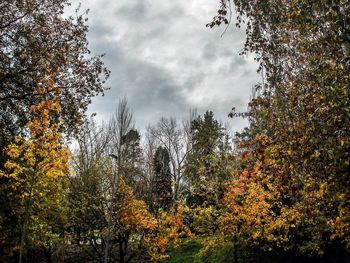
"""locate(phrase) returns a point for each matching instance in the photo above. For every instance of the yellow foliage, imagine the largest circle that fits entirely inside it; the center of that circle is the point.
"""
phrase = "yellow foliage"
(37, 169)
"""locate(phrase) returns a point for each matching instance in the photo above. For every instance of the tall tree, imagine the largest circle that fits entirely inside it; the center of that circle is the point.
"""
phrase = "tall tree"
(120, 128)
(206, 135)
(203, 169)
(299, 122)
(176, 138)
(130, 219)
(38, 40)
(161, 182)
(36, 37)
(125, 143)
(87, 199)
(108, 220)
(34, 177)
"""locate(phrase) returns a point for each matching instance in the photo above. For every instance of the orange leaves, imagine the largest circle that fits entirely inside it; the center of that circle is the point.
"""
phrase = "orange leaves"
(131, 213)
(41, 121)
(165, 233)
(13, 151)
(248, 205)
(262, 139)
(298, 130)
(245, 173)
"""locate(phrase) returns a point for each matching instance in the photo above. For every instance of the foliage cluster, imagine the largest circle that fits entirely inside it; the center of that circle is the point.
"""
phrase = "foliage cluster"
(283, 194)
(290, 193)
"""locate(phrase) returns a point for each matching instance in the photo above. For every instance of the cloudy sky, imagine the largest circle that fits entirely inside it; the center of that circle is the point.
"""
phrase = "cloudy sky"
(164, 59)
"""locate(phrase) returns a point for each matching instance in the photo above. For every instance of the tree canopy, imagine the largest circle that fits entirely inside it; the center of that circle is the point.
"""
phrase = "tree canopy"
(38, 39)
(276, 192)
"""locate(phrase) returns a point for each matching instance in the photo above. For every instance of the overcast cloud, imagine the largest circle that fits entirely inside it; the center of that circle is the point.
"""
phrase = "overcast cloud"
(166, 61)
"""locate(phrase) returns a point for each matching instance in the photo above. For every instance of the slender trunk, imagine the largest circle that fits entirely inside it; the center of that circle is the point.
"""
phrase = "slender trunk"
(110, 211)
(235, 250)
(26, 218)
(110, 214)
(158, 250)
(121, 251)
(235, 244)
(78, 237)
(107, 240)
(177, 186)
(48, 255)
(23, 235)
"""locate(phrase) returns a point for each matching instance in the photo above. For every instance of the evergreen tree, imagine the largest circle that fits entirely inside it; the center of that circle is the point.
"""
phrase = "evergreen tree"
(161, 184)
(203, 165)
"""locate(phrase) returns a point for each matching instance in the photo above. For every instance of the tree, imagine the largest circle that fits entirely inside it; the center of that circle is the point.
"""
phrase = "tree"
(248, 209)
(166, 233)
(106, 163)
(130, 219)
(124, 148)
(87, 197)
(118, 223)
(37, 38)
(161, 182)
(130, 168)
(125, 144)
(35, 174)
(176, 138)
(301, 116)
(204, 168)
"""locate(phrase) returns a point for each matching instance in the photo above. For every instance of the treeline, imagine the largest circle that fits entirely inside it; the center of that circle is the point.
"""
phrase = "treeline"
(115, 198)
(176, 164)
(281, 196)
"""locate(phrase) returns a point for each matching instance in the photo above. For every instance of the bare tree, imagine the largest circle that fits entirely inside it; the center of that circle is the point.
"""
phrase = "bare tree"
(89, 185)
(176, 138)
(107, 153)
(125, 143)
(124, 148)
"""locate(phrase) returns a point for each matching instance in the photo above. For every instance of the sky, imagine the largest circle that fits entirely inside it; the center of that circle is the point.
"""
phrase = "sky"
(165, 60)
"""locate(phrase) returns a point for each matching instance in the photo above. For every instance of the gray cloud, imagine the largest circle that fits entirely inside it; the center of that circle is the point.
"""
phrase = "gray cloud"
(166, 61)
(134, 11)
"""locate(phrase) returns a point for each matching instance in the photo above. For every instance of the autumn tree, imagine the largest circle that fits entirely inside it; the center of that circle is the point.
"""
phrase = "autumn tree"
(300, 115)
(166, 233)
(131, 220)
(124, 148)
(37, 39)
(248, 209)
(117, 224)
(105, 213)
(35, 176)
(137, 234)
(36, 36)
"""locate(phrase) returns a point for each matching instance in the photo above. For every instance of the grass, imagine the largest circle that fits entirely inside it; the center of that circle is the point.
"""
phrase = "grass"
(188, 252)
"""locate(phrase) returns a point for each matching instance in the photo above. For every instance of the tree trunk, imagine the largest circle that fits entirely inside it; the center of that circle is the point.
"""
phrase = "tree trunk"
(121, 252)
(48, 254)
(26, 218)
(235, 250)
